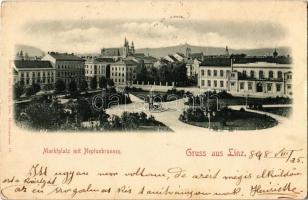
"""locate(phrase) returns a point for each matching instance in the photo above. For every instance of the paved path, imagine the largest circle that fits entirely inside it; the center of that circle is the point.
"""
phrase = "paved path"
(169, 116)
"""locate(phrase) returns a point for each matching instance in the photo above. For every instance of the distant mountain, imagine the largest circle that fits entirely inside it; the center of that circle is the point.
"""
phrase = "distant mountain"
(32, 51)
(163, 51)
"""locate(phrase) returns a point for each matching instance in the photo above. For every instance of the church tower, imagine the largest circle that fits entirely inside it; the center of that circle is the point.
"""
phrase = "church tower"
(132, 48)
(227, 51)
(125, 48)
(188, 52)
(275, 54)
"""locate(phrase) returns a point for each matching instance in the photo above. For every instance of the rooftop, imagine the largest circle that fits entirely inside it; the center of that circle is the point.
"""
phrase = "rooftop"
(111, 52)
(65, 56)
(216, 61)
(28, 64)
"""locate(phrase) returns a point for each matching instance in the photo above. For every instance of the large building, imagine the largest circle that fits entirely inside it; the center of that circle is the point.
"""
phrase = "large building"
(118, 53)
(68, 67)
(247, 77)
(123, 72)
(33, 71)
(97, 67)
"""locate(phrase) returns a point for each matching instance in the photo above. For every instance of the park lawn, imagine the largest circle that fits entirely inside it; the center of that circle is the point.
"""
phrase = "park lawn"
(282, 111)
(238, 120)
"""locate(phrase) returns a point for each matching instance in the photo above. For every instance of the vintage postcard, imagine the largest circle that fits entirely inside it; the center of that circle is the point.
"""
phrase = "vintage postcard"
(146, 99)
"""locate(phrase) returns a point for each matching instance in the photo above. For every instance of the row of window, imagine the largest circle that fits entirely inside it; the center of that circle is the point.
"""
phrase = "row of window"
(261, 74)
(32, 80)
(22, 74)
(215, 72)
(63, 66)
(95, 72)
(94, 66)
(244, 73)
(269, 86)
(68, 74)
(215, 83)
(122, 69)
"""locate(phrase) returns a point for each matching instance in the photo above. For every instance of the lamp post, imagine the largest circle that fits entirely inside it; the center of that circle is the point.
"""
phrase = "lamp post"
(217, 101)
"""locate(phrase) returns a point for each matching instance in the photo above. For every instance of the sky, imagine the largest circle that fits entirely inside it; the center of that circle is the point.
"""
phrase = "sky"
(92, 35)
(88, 26)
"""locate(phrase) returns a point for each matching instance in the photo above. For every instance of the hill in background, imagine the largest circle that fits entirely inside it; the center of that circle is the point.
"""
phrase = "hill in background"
(163, 51)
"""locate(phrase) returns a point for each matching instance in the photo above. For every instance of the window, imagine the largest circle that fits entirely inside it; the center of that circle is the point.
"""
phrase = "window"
(269, 87)
(279, 74)
(289, 76)
(215, 72)
(252, 74)
(249, 85)
(261, 74)
(202, 72)
(33, 74)
(209, 83)
(232, 75)
(278, 87)
(244, 73)
(242, 84)
(270, 74)
(289, 86)
(27, 74)
(22, 74)
(232, 83)
(202, 82)
(221, 83)
(39, 74)
(215, 83)
(221, 73)
(209, 72)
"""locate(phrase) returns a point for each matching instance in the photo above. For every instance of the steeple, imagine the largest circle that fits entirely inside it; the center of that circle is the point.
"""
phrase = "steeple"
(125, 42)
(132, 47)
(275, 54)
(227, 51)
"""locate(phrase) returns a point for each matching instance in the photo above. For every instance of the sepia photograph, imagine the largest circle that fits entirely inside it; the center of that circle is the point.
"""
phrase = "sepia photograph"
(152, 75)
(142, 99)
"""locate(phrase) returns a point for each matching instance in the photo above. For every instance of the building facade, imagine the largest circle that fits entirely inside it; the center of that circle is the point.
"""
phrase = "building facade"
(118, 53)
(33, 71)
(258, 79)
(192, 68)
(123, 72)
(97, 67)
(68, 67)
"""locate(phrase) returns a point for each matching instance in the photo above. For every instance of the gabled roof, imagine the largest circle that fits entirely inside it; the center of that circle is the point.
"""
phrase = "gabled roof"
(127, 62)
(139, 55)
(112, 52)
(65, 56)
(268, 59)
(26, 64)
(108, 60)
(216, 61)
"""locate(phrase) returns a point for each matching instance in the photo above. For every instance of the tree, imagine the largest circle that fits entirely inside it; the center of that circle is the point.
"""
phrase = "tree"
(102, 82)
(72, 87)
(83, 86)
(60, 86)
(36, 87)
(33, 89)
(84, 110)
(93, 83)
(110, 82)
(40, 115)
(18, 90)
